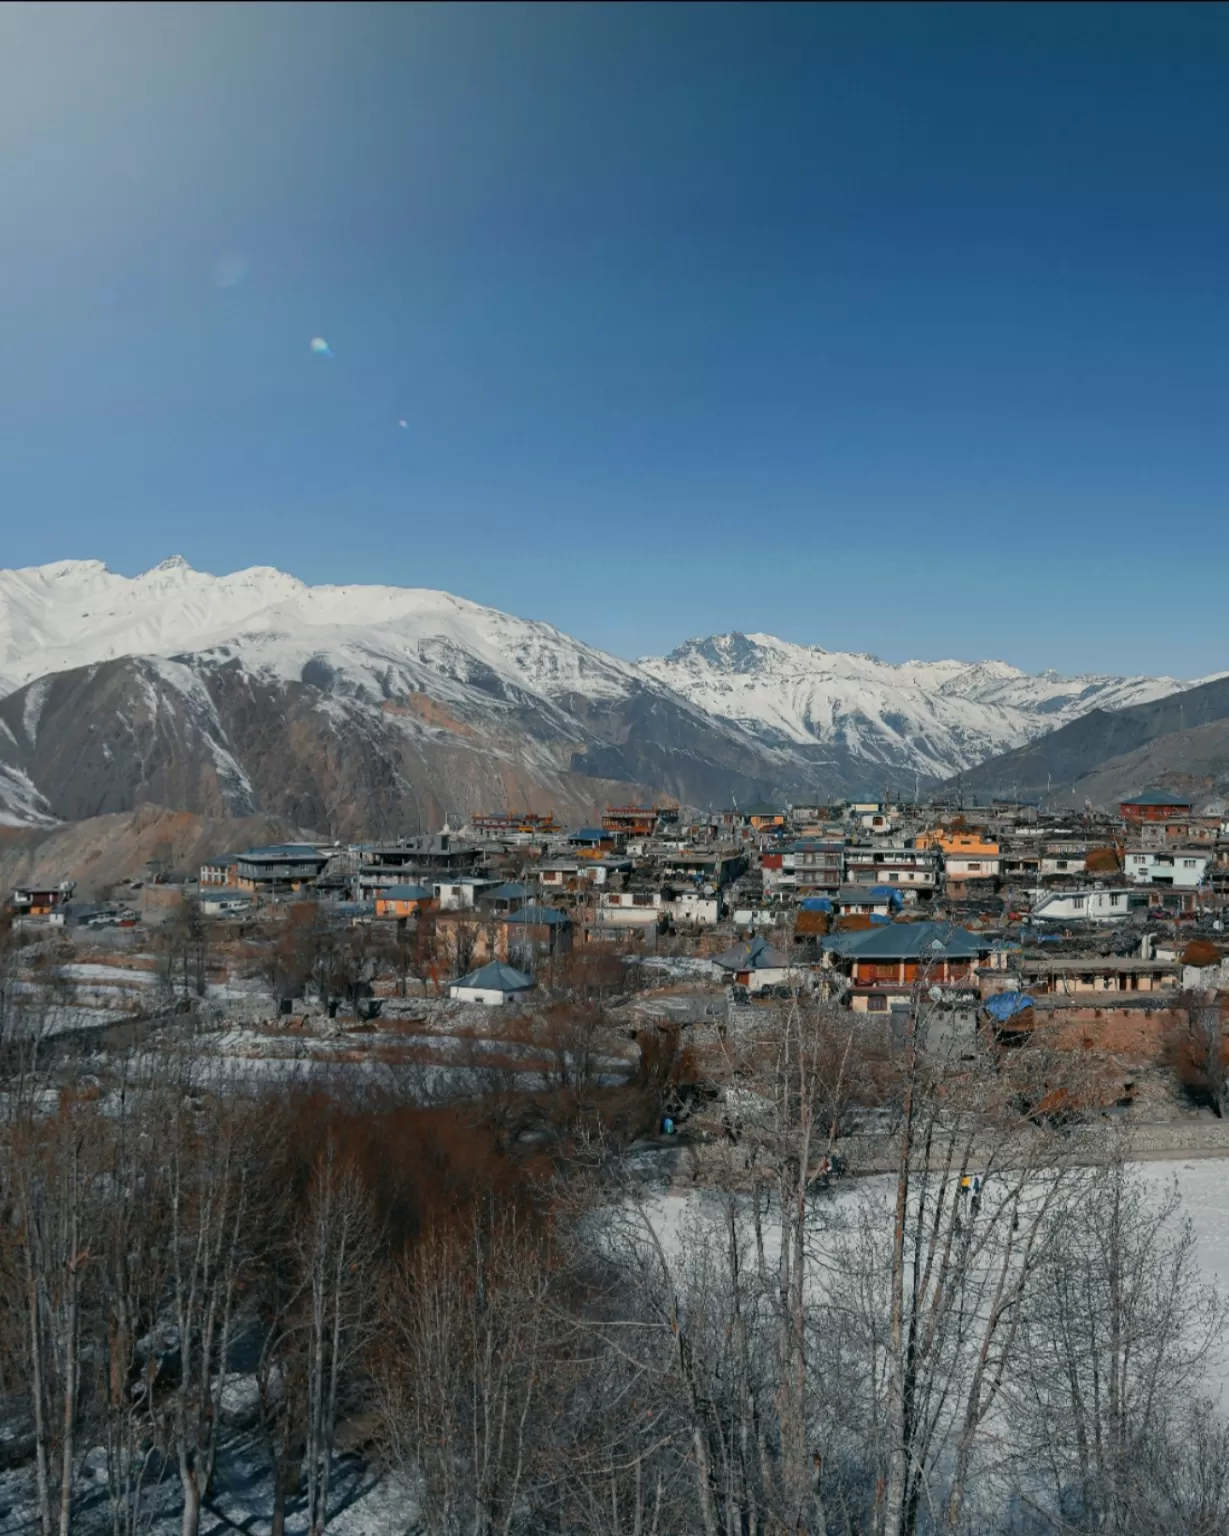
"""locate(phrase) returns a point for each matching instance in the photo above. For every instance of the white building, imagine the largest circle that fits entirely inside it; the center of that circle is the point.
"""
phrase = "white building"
(700, 909)
(460, 894)
(971, 865)
(1096, 904)
(629, 909)
(756, 965)
(1184, 867)
(222, 902)
(1066, 863)
(913, 869)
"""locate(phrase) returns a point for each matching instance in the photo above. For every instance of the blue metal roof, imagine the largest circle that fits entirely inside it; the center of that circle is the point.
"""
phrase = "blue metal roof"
(405, 893)
(755, 954)
(496, 977)
(910, 941)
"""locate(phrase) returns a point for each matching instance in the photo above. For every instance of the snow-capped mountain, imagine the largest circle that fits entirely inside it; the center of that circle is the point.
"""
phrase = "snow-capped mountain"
(376, 709)
(343, 708)
(77, 612)
(933, 717)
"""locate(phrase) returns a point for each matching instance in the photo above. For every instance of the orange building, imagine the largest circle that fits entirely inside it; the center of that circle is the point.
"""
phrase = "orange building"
(971, 841)
(634, 820)
(402, 900)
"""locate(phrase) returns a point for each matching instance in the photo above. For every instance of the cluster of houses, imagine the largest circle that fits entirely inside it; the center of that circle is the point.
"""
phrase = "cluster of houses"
(865, 901)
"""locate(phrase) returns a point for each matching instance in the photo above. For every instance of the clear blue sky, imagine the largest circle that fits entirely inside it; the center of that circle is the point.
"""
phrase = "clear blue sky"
(889, 329)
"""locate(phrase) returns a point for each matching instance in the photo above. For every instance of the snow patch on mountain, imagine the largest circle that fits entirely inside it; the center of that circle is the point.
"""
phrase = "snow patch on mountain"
(21, 803)
(234, 782)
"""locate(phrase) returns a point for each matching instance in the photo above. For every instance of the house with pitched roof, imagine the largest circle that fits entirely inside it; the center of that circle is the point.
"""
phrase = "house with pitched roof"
(756, 965)
(891, 966)
(492, 984)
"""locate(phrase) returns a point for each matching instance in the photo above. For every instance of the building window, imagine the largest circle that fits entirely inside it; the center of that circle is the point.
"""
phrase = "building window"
(877, 1004)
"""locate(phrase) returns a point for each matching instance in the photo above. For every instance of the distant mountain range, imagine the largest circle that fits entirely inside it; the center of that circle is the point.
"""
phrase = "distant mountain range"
(931, 718)
(1181, 741)
(372, 710)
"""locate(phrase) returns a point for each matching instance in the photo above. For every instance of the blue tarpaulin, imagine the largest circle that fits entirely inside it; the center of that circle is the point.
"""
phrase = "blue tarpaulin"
(816, 904)
(1005, 1005)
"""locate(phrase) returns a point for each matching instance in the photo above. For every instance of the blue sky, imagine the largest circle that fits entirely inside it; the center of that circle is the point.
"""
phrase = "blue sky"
(890, 329)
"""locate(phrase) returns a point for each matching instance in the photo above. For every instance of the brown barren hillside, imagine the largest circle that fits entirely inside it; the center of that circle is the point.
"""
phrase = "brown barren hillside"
(104, 849)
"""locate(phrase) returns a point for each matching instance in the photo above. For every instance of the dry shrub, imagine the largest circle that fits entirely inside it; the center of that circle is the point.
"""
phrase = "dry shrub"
(659, 1055)
(421, 1164)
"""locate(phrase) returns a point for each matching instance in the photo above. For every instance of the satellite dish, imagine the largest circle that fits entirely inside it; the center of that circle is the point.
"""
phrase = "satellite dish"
(935, 994)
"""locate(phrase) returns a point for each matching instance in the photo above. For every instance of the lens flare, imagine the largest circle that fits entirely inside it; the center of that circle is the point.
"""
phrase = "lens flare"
(321, 347)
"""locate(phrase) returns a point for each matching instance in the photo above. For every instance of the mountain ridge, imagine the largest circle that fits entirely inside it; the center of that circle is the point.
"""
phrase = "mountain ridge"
(928, 717)
(352, 707)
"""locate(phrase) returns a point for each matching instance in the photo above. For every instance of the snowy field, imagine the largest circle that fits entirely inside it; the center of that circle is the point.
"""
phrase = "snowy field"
(1203, 1185)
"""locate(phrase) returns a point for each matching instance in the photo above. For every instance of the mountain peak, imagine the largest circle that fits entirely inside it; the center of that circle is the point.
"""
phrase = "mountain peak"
(171, 563)
(912, 714)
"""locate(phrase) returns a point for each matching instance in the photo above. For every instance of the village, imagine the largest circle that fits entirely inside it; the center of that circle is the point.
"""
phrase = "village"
(1104, 931)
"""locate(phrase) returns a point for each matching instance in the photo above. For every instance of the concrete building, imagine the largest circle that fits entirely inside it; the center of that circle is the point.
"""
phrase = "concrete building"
(1184, 867)
(1095, 904)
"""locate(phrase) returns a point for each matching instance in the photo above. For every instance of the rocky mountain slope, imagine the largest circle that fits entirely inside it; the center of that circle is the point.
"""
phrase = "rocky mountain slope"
(932, 717)
(103, 850)
(368, 710)
(1106, 755)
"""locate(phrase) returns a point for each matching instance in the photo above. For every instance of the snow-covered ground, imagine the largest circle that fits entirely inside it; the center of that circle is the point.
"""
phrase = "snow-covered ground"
(1204, 1187)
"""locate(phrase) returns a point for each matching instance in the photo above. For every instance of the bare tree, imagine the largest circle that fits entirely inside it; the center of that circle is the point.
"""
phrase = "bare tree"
(133, 1255)
(468, 1325)
(50, 1188)
(209, 1149)
(184, 943)
(978, 1178)
(337, 1249)
(1117, 1333)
